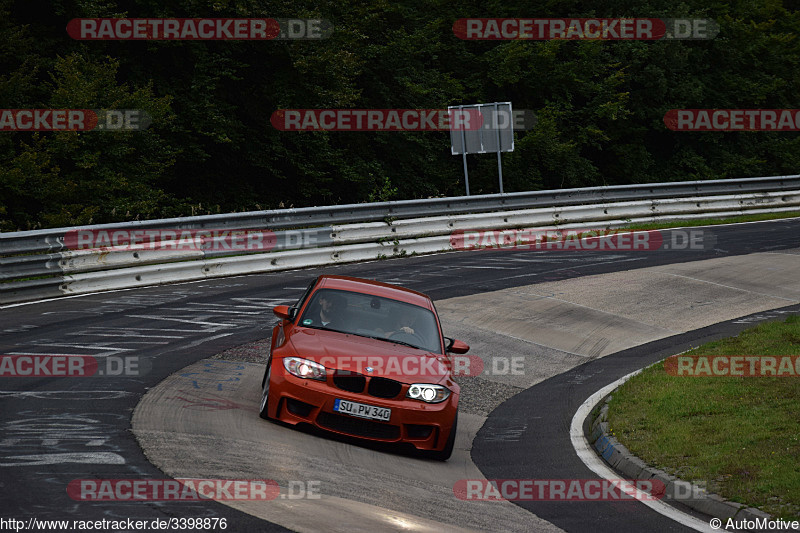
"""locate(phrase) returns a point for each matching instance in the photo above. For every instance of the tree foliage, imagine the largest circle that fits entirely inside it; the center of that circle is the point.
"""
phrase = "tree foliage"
(211, 148)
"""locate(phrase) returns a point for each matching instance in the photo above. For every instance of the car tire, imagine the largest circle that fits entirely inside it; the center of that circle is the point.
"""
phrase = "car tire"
(445, 453)
(264, 405)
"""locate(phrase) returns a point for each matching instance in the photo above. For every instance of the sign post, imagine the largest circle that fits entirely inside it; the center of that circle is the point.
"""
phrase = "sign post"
(494, 132)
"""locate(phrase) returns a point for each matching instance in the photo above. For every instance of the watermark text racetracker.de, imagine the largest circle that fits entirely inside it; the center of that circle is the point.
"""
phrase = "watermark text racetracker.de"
(613, 29)
(116, 120)
(310, 367)
(732, 120)
(83, 366)
(553, 490)
(571, 490)
(582, 239)
(191, 490)
(733, 365)
(181, 239)
(378, 120)
(198, 29)
(178, 239)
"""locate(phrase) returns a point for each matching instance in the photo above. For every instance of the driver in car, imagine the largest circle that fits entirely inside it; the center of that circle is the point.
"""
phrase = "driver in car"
(402, 321)
(330, 310)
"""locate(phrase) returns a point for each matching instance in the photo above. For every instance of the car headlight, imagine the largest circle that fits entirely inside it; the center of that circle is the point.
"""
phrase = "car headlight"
(428, 393)
(303, 368)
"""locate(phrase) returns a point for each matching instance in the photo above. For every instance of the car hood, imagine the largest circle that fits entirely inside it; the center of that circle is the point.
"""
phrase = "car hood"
(372, 357)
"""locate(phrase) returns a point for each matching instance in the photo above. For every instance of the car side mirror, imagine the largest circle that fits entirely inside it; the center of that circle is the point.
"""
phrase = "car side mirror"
(456, 346)
(281, 311)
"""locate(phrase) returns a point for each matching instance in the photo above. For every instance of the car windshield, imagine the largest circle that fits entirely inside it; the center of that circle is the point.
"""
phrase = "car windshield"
(374, 317)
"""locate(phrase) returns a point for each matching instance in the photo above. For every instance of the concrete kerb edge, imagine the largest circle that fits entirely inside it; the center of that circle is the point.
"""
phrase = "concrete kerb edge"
(621, 460)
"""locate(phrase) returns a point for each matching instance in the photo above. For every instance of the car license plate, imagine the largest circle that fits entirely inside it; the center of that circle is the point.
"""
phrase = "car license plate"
(362, 410)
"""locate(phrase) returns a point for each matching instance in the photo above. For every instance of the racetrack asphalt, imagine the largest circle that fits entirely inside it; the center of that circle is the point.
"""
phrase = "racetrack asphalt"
(55, 430)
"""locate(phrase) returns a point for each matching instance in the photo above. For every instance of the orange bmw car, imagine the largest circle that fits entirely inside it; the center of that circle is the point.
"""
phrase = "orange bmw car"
(364, 359)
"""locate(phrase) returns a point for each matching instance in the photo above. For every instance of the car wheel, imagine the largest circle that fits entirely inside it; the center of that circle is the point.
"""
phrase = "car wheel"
(445, 454)
(265, 392)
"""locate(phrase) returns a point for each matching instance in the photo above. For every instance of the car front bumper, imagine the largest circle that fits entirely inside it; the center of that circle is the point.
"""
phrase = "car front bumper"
(426, 426)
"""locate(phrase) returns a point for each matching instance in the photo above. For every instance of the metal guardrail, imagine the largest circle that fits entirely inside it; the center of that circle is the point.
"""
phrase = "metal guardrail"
(332, 234)
(51, 240)
(75, 259)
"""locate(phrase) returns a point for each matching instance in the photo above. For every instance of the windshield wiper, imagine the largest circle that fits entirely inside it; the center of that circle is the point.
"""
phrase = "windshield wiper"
(330, 329)
(404, 343)
(386, 339)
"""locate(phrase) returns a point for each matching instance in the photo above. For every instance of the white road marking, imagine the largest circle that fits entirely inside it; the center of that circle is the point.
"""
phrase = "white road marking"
(226, 305)
(97, 458)
(123, 330)
(218, 311)
(572, 267)
(125, 335)
(110, 350)
(729, 286)
(262, 302)
(488, 267)
(123, 342)
(183, 320)
(205, 339)
(80, 395)
(51, 354)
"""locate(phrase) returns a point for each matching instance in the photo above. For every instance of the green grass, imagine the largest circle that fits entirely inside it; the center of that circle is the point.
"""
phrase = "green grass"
(712, 221)
(30, 278)
(738, 436)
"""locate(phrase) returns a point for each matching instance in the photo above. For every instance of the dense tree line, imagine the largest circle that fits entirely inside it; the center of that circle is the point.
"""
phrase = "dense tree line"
(211, 148)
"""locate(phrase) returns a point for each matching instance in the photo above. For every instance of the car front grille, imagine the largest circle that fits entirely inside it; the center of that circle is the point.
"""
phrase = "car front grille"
(384, 388)
(349, 381)
(358, 426)
(375, 386)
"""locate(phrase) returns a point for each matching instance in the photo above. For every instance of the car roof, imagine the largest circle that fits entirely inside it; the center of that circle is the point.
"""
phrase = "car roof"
(375, 288)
